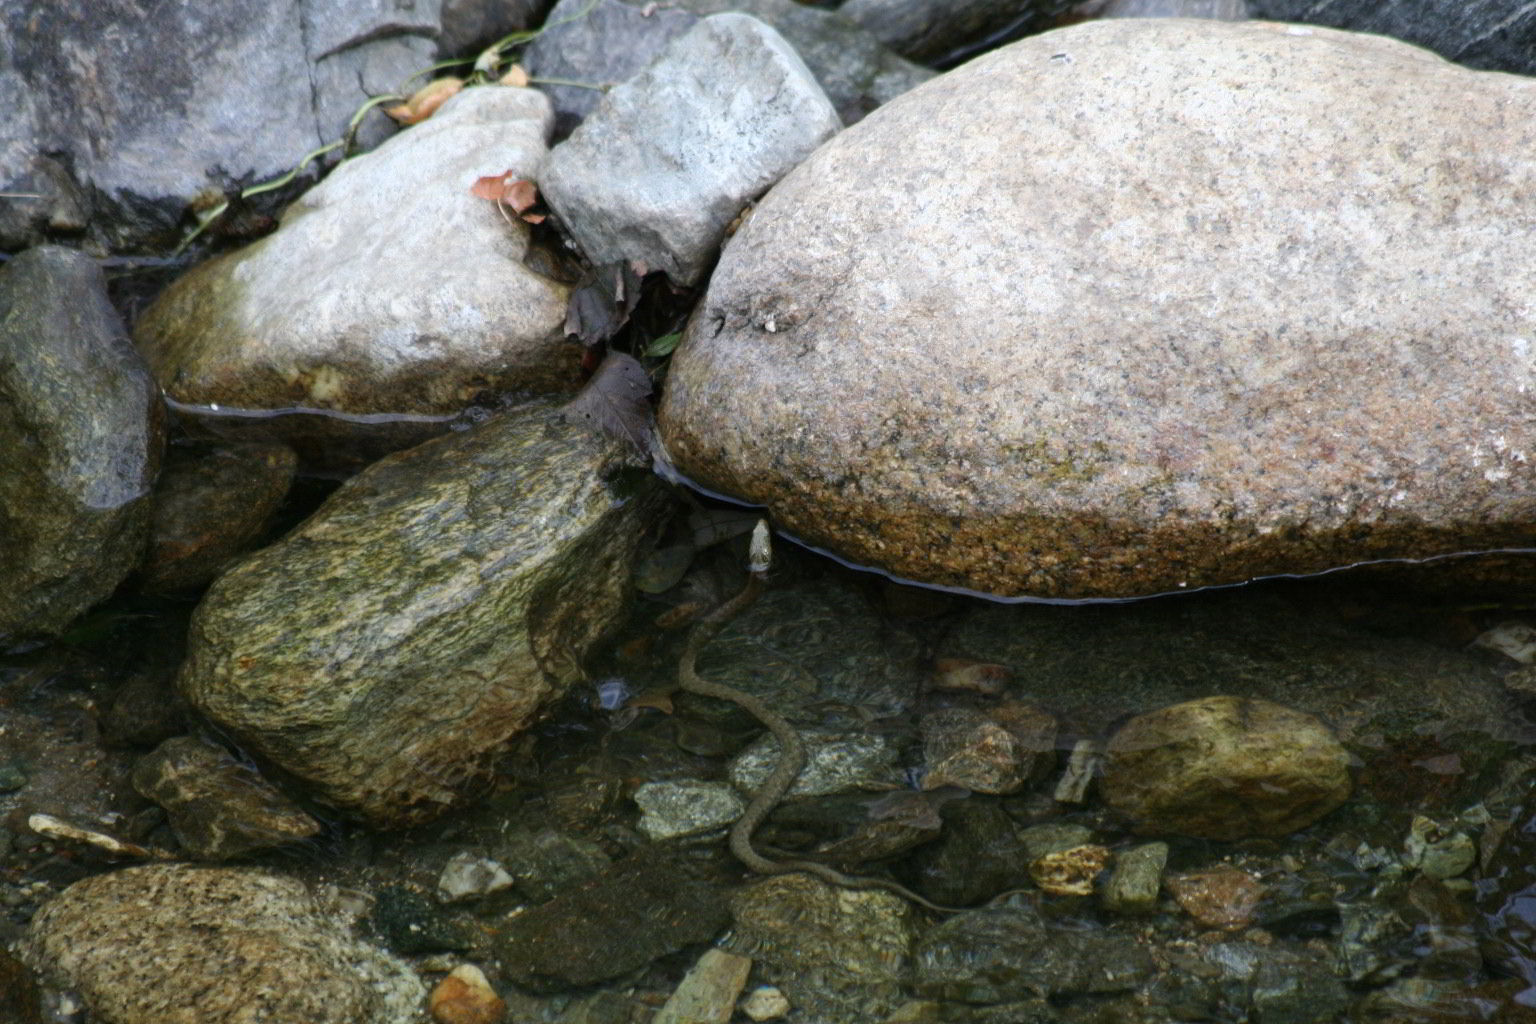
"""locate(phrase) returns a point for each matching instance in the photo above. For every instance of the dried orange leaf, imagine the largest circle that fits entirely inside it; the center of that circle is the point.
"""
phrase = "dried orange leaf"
(515, 76)
(492, 186)
(425, 101)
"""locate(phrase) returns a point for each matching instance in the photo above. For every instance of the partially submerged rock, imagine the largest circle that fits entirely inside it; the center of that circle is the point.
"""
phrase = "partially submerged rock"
(670, 157)
(1016, 334)
(178, 944)
(389, 300)
(81, 424)
(388, 647)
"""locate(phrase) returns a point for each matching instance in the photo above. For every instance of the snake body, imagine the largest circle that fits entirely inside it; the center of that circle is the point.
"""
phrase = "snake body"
(792, 755)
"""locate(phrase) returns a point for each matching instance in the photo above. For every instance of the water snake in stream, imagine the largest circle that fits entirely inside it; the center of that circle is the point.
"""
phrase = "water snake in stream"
(792, 749)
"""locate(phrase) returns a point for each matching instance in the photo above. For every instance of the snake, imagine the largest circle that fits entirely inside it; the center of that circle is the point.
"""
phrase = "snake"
(792, 748)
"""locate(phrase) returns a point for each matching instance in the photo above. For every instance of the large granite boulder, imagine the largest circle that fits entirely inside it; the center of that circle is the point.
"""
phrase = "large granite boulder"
(81, 426)
(1135, 306)
(179, 944)
(389, 299)
(387, 648)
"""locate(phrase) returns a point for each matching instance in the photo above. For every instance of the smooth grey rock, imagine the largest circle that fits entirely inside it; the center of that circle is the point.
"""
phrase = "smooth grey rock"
(836, 762)
(81, 424)
(941, 30)
(352, 308)
(1497, 35)
(955, 346)
(1221, 10)
(686, 807)
(177, 943)
(146, 130)
(1225, 768)
(219, 808)
(599, 43)
(463, 583)
(211, 504)
(856, 70)
(615, 39)
(670, 157)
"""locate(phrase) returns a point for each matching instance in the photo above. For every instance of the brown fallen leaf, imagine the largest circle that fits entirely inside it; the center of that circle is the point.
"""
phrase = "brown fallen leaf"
(424, 102)
(615, 402)
(515, 76)
(518, 194)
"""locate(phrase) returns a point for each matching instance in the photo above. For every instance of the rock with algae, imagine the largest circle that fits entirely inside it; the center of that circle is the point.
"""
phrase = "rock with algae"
(387, 648)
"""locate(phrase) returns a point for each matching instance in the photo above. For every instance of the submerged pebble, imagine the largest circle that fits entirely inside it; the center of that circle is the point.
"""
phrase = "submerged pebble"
(1225, 768)
(686, 807)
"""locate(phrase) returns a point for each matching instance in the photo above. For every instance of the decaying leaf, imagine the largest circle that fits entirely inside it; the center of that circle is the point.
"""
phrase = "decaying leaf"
(518, 194)
(615, 401)
(425, 101)
(973, 676)
(600, 306)
(515, 76)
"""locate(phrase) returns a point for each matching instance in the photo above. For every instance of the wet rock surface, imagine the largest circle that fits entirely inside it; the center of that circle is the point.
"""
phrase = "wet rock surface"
(589, 880)
(218, 807)
(1009, 953)
(390, 344)
(212, 504)
(1395, 702)
(855, 369)
(172, 943)
(842, 952)
(643, 908)
(1225, 768)
(669, 158)
(83, 429)
(464, 580)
